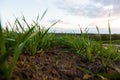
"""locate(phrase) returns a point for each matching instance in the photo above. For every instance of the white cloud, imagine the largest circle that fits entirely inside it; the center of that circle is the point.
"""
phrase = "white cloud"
(90, 8)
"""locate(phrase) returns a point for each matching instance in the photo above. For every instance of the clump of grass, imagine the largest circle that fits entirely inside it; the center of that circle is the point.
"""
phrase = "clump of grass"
(90, 48)
(20, 43)
(15, 40)
(111, 52)
(101, 47)
(83, 45)
(42, 40)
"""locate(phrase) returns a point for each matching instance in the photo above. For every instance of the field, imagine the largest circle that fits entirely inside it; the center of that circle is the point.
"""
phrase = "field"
(33, 53)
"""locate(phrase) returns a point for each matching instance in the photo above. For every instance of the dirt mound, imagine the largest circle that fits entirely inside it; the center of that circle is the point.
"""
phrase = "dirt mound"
(56, 64)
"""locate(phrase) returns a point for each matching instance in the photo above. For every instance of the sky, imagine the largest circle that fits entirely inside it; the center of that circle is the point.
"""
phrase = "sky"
(71, 14)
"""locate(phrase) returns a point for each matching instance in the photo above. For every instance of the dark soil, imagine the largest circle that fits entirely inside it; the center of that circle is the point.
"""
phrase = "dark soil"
(58, 63)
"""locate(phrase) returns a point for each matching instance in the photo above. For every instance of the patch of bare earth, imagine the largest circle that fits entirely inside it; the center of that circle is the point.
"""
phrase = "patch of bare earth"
(56, 63)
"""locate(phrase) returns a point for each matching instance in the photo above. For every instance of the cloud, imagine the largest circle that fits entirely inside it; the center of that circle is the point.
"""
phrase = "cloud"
(108, 2)
(55, 20)
(114, 3)
(89, 8)
(59, 21)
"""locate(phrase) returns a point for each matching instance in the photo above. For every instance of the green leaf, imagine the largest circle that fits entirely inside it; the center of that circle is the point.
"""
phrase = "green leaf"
(43, 14)
(2, 44)
(111, 76)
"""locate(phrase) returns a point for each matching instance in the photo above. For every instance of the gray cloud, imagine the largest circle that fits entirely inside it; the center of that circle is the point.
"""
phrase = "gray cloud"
(55, 20)
(114, 3)
(108, 2)
(90, 8)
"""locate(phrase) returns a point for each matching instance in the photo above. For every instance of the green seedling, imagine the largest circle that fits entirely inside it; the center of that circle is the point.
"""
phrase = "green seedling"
(15, 40)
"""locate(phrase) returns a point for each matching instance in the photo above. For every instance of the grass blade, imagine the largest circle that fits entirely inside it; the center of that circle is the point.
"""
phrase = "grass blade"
(43, 14)
(2, 44)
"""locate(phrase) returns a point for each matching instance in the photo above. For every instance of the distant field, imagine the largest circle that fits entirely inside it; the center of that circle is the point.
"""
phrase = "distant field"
(105, 37)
